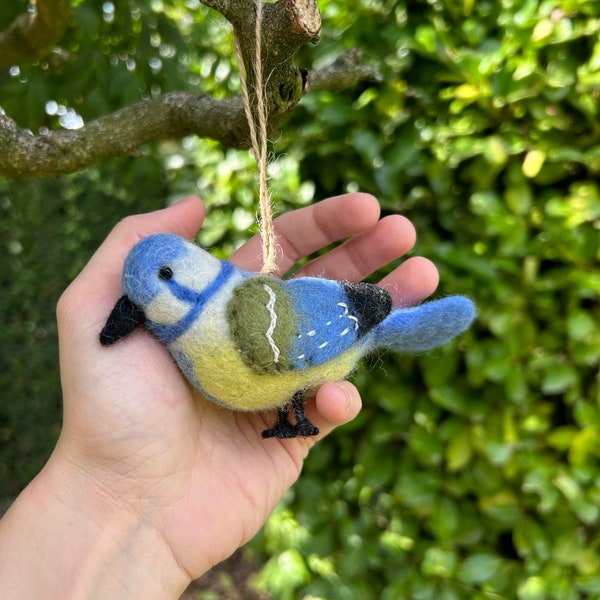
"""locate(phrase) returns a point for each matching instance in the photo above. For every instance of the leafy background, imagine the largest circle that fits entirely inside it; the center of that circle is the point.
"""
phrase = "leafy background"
(472, 472)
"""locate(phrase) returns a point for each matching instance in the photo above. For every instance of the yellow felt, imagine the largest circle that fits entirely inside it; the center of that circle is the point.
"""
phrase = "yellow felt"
(226, 378)
(234, 384)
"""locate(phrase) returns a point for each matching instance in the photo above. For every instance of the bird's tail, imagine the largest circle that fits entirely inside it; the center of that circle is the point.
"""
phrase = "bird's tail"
(421, 328)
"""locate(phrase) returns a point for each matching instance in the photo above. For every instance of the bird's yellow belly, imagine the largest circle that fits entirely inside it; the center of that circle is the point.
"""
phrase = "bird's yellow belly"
(226, 379)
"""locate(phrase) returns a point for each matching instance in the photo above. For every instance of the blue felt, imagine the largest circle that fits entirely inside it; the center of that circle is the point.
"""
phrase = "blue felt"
(424, 327)
(318, 307)
(145, 259)
(187, 366)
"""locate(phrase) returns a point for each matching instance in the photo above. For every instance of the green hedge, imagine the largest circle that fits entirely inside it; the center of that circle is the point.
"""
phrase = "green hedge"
(472, 472)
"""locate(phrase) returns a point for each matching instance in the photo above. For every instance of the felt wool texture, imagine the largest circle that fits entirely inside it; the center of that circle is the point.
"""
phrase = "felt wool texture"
(252, 342)
(262, 324)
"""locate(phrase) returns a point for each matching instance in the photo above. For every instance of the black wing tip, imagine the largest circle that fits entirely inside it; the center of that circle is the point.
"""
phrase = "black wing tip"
(371, 303)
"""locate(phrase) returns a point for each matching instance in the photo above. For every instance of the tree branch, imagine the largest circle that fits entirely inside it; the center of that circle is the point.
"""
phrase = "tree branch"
(32, 35)
(171, 115)
(287, 25)
(346, 71)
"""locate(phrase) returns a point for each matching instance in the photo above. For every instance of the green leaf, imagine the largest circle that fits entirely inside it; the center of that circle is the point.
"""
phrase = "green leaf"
(503, 506)
(559, 378)
(581, 325)
(533, 163)
(583, 444)
(479, 568)
(459, 451)
(439, 563)
(533, 588)
(531, 540)
(284, 573)
(445, 521)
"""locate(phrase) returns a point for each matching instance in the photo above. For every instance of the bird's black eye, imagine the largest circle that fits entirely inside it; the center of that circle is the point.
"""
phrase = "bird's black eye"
(165, 273)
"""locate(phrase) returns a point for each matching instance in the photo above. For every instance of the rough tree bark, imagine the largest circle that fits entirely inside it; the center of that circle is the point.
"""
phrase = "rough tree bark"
(287, 26)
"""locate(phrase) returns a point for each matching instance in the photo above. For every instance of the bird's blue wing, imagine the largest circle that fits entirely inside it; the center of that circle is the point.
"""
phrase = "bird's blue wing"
(331, 316)
(326, 327)
(424, 327)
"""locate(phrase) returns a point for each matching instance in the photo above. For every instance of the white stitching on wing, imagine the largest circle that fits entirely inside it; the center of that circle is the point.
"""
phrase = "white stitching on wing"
(349, 316)
(273, 324)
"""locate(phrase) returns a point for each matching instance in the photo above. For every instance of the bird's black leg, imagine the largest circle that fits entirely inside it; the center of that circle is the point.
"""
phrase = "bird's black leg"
(303, 426)
(284, 429)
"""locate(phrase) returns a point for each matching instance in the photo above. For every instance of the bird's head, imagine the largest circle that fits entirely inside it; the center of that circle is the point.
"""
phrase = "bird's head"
(163, 276)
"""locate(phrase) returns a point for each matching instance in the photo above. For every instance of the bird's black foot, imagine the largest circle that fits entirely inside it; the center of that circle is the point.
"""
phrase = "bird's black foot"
(305, 429)
(283, 429)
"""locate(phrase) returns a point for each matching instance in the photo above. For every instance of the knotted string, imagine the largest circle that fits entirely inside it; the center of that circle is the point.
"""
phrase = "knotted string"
(259, 142)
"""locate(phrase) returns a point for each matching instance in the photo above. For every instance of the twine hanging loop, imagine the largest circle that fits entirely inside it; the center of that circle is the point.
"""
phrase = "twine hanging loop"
(258, 138)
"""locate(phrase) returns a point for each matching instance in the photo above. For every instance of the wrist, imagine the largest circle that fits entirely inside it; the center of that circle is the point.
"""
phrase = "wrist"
(64, 537)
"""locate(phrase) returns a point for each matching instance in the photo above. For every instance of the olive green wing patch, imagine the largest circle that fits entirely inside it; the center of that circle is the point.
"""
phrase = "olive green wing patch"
(262, 323)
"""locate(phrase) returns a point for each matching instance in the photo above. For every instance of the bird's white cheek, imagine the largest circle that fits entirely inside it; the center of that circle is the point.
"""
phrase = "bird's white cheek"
(200, 272)
(165, 308)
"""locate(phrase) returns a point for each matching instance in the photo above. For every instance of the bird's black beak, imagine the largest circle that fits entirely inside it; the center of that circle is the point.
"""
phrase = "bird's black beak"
(123, 319)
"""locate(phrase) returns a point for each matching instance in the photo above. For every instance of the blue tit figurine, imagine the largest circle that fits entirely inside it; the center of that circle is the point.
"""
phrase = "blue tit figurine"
(251, 342)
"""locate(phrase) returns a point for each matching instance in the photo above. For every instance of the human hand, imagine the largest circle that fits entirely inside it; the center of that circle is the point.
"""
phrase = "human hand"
(140, 445)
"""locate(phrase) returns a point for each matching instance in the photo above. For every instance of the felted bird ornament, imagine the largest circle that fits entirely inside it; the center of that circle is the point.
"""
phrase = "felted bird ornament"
(251, 342)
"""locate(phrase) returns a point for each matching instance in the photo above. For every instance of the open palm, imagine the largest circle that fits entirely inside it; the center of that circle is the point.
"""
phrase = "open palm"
(201, 475)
